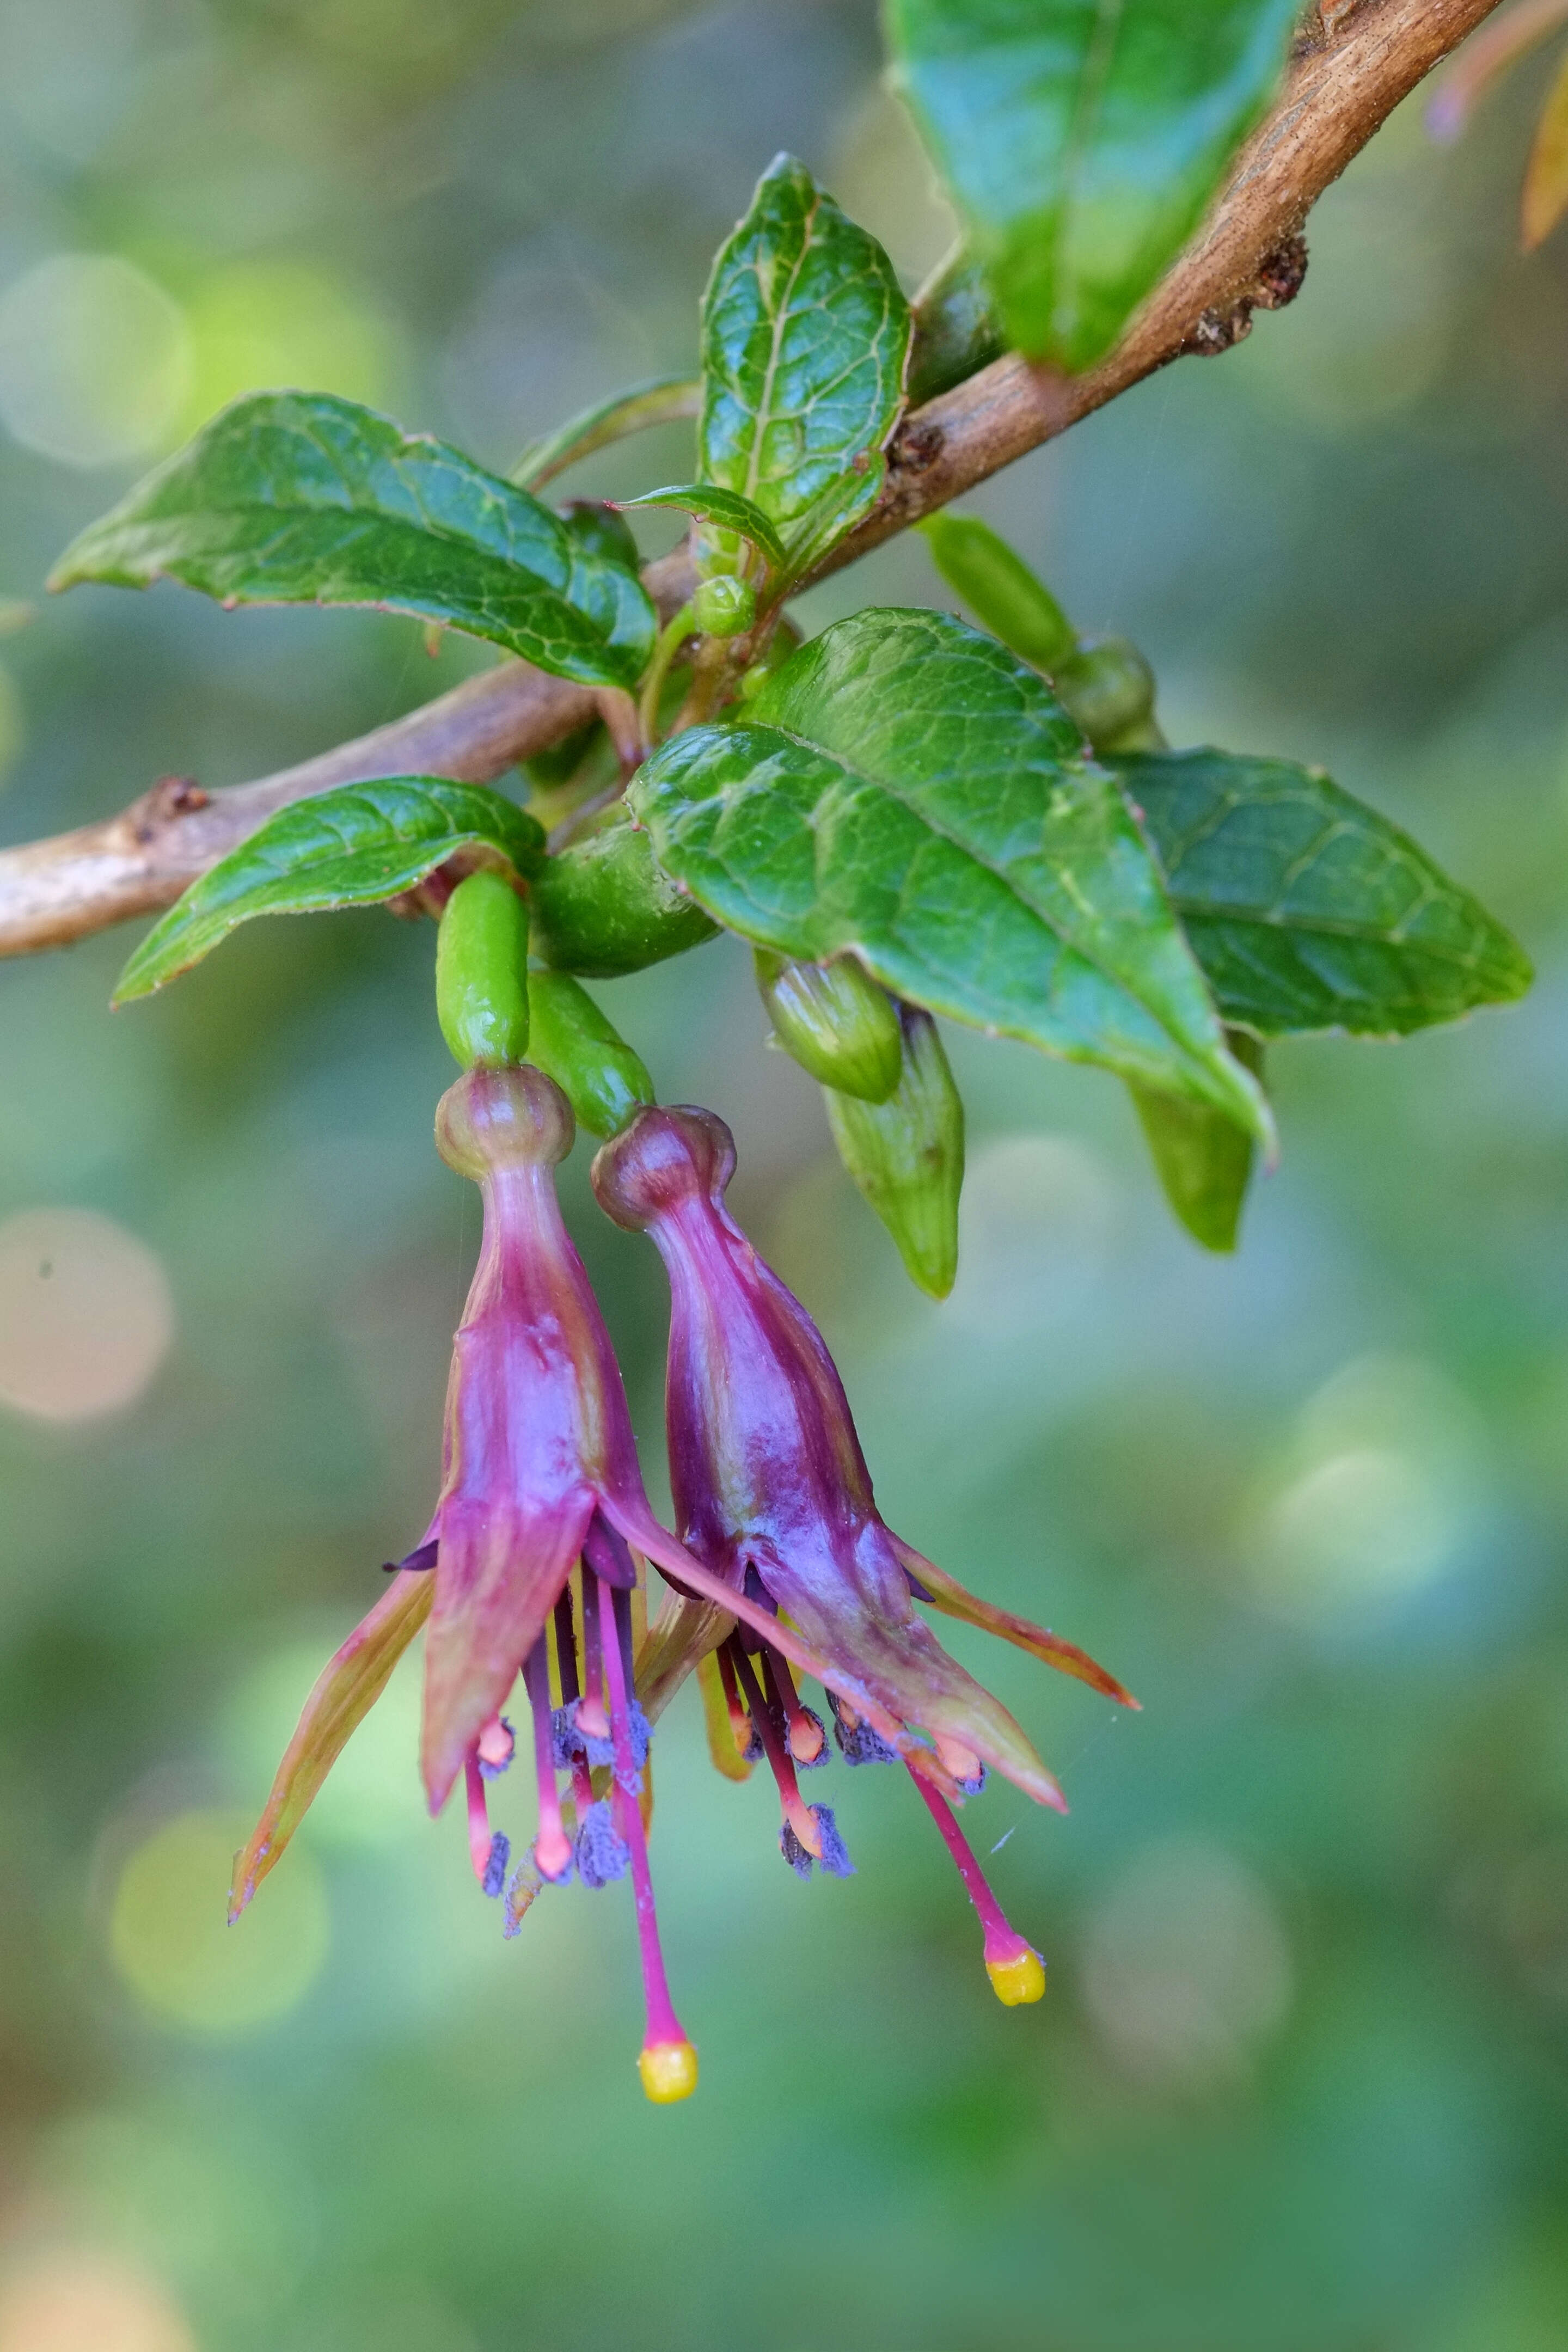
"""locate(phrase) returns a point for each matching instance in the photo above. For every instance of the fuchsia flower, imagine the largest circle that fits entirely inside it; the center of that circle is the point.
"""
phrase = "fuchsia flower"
(772, 1493)
(541, 1489)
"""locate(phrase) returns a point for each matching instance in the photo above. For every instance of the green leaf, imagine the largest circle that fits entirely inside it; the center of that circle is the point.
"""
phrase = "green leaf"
(1306, 909)
(905, 788)
(298, 497)
(726, 510)
(664, 401)
(1082, 141)
(831, 516)
(806, 335)
(351, 847)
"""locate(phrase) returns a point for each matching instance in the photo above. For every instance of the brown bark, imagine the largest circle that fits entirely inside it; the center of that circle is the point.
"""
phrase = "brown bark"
(1341, 86)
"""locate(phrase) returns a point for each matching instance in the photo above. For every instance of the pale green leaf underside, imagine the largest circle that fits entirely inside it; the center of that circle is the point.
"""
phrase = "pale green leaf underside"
(726, 510)
(351, 848)
(805, 337)
(907, 789)
(1306, 909)
(296, 498)
(664, 401)
(1082, 139)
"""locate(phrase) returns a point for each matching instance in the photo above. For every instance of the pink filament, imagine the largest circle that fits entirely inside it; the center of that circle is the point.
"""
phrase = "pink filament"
(591, 1714)
(806, 1737)
(663, 2026)
(1001, 1942)
(479, 1818)
(797, 1812)
(551, 1847)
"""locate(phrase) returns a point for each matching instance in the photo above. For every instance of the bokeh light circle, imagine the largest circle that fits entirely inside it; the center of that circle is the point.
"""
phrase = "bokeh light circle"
(95, 361)
(68, 2302)
(172, 1943)
(85, 1316)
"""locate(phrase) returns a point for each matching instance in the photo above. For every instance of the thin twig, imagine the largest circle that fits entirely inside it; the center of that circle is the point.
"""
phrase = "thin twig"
(1341, 86)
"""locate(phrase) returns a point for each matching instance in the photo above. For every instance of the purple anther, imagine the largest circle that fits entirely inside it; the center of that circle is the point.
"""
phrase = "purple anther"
(601, 1855)
(494, 1878)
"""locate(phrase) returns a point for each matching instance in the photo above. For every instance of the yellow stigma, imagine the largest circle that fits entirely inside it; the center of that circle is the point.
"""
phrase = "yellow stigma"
(1014, 1982)
(669, 2069)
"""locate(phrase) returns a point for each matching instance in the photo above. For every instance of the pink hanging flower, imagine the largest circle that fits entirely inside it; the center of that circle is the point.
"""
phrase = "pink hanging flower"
(540, 1490)
(772, 1493)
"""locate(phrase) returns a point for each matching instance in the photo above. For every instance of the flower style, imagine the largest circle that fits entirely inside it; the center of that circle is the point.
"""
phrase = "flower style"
(772, 1493)
(526, 1567)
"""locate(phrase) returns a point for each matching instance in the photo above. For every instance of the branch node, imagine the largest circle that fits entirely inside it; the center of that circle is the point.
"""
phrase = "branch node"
(170, 797)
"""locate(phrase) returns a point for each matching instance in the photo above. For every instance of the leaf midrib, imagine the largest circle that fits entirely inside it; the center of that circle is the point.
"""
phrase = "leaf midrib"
(764, 405)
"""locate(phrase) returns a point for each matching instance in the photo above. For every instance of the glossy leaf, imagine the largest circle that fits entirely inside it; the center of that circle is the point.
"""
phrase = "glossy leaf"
(1306, 909)
(806, 335)
(831, 516)
(294, 497)
(1081, 142)
(727, 510)
(906, 789)
(351, 848)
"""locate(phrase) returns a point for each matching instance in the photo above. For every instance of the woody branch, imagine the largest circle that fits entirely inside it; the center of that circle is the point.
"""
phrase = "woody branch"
(1344, 78)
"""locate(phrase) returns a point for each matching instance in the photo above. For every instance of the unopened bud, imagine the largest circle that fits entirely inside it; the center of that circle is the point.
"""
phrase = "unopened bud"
(1108, 691)
(573, 1042)
(1204, 1160)
(603, 908)
(723, 606)
(492, 1119)
(999, 589)
(482, 973)
(907, 1154)
(836, 1022)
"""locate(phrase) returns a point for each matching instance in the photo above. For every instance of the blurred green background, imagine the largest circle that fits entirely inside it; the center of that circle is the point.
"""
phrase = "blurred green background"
(1301, 2083)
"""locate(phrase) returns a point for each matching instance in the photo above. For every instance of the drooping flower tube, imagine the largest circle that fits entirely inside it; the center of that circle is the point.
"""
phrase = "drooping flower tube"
(772, 1493)
(527, 1567)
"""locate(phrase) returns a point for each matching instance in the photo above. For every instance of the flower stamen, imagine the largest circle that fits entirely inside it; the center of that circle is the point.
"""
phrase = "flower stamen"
(551, 1847)
(666, 2062)
(797, 1814)
(806, 1736)
(490, 1854)
(1016, 1972)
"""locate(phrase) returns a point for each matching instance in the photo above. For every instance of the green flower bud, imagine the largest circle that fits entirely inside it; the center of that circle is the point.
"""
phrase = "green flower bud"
(574, 1044)
(482, 973)
(999, 589)
(836, 1022)
(907, 1155)
(1109, 690)
(1202, 1160)
(603, 908)
(723, 606)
